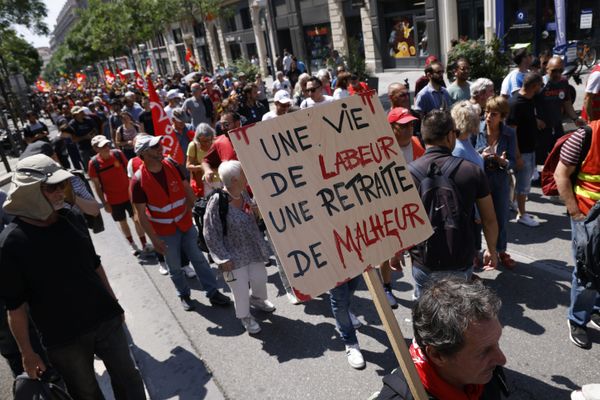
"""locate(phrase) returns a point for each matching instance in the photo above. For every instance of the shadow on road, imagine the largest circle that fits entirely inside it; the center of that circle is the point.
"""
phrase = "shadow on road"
(182, 375)
(523, 387)
(528, 288)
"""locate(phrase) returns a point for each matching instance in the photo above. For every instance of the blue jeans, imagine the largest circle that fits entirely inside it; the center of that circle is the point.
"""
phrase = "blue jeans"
(75, 363)
(523, 185)
(423, 277)
(186, 242)
(583, 301)
(340, 298)
(500, 191)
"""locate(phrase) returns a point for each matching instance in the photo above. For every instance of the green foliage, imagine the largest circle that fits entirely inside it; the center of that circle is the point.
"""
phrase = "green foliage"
(356, 60)
(245, 66)
(19, 56)
(487, 61)
(29, 13)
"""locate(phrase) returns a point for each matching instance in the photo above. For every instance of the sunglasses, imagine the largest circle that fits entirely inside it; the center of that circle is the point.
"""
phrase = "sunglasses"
(51, 188)
(312, 90)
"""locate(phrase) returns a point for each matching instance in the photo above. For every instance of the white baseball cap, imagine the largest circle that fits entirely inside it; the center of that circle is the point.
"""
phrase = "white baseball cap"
(173, 94)
(282, 97)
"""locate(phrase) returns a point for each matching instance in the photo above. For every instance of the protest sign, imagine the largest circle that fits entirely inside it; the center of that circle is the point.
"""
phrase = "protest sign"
(334, 191)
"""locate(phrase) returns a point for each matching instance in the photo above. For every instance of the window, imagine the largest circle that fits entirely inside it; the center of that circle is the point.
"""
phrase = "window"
(177, 36)
(230, 24)
(246, 20)
(158, 41)
(198, 30)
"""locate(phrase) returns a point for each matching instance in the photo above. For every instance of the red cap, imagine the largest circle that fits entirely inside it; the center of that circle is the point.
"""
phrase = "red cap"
(429, 60)
(400, 116)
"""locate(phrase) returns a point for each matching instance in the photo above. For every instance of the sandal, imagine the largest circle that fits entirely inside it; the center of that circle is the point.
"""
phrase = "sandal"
(505, 260)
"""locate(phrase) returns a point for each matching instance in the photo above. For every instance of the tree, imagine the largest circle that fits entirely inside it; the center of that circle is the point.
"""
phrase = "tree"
(19, 57)
(29, 13)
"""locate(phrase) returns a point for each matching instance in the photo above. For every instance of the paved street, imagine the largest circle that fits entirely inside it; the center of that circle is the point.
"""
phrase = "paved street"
(299, 355)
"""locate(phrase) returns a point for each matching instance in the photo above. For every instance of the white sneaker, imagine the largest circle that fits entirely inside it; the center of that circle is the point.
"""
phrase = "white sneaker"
(162, 268)
(250, 325)
(528, 220)
(355, 357)
(264, 305)
(189, 271)
(355, 322)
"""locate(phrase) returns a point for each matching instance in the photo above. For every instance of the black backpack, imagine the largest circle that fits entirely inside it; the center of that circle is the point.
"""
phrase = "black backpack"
(25, 388)
(446, 248)
(587, 249)
(200, 209)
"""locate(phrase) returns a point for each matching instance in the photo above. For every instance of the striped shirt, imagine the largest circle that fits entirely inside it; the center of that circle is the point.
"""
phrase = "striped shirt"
(572, 148)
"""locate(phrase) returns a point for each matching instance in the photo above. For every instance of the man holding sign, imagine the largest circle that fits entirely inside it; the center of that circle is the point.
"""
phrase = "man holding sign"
(335, 195)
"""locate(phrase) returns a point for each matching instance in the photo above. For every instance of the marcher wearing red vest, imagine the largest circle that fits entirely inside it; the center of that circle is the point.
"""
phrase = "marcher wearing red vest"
(356, 86)
(402, 122)
(163, 200)
(107, 170)
(591, 102)
(579, 198)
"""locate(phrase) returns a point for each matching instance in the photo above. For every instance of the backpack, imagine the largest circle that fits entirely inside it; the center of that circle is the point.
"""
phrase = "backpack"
(446, 248)
(547, 178)
(587, 248)
(118, 155)
(25, 388)
(199, 211)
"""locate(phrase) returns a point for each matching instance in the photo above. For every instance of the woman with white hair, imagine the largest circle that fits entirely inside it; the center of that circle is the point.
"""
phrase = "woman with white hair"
(236, 244)
(325, 78)
(196, 151)
(481, 90)
(300, 89)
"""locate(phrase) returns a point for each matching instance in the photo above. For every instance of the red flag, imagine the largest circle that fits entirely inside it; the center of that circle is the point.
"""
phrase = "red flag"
(163, 127)
(42, 85)
(122, 77)
(140, 82)
(148, 67)
(189, 57)
(109, 77)
(80, 78)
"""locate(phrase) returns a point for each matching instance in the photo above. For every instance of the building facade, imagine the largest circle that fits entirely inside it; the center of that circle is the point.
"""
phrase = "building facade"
(65, 21)
(391, 33)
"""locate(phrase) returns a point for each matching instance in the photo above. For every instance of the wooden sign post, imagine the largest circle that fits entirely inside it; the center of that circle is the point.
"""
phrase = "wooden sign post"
(337, 199)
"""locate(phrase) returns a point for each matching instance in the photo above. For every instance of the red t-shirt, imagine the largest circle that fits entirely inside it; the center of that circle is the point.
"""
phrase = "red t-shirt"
(112, 175)
(221, 150)
(363, 88)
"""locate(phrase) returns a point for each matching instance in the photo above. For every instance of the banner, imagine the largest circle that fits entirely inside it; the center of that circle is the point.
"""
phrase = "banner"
(42, 85)
(561, 24)
(109, 77)
(122, 77)
(189, 57)
(140, 82)
(80, 79)
(334, 190)
(163, 127)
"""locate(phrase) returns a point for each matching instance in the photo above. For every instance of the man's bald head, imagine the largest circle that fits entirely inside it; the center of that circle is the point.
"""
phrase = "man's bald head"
(555, 68)
(398, 95)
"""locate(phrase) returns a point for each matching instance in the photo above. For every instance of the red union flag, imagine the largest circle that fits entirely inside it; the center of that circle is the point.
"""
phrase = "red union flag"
(140, 82)
(109, 77)
(163, 127)
(42, 85)
(80, 78)
(189, 57)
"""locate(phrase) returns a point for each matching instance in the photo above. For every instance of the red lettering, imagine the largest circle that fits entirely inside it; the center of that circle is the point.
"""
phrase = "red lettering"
(324, 173)
(410, 210)
(349, 245)
(385, 144)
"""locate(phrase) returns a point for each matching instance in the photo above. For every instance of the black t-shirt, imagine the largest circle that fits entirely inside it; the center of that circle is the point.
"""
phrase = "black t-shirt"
(146, 119)
(86, 127)
(470, 180)
(253, 113)
(523, 115)
(53, 269)
(31, 130)
(553, 98)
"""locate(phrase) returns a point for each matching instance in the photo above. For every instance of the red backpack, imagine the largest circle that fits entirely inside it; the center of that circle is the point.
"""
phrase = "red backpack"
(549, 187)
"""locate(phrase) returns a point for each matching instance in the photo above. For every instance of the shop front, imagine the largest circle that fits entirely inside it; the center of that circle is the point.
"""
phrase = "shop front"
(535, 22)
(404, 29)
(318, 45)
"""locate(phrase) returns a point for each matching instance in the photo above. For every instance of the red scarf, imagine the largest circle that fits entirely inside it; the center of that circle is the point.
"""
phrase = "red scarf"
(435, 385)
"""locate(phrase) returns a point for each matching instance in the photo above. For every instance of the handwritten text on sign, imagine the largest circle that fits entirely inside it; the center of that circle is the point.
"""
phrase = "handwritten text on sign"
(334, 190)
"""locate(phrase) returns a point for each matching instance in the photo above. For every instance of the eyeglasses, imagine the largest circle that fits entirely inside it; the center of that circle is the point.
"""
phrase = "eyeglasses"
(51, 188)
(312, 90)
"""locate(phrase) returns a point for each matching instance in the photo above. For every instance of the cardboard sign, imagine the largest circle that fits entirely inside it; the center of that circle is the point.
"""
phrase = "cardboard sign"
(334, 191)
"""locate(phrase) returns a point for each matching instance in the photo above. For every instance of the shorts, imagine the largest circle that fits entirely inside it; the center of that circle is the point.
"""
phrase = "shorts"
(118, 211)
(524, 175)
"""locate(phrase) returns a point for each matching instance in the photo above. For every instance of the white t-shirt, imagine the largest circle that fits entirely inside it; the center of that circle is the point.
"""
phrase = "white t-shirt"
(407, 152)
(593, 83)
(340, 93)
(307, 103)
(512, 82)
(287, 63)
(269, 115)
(285, 85)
